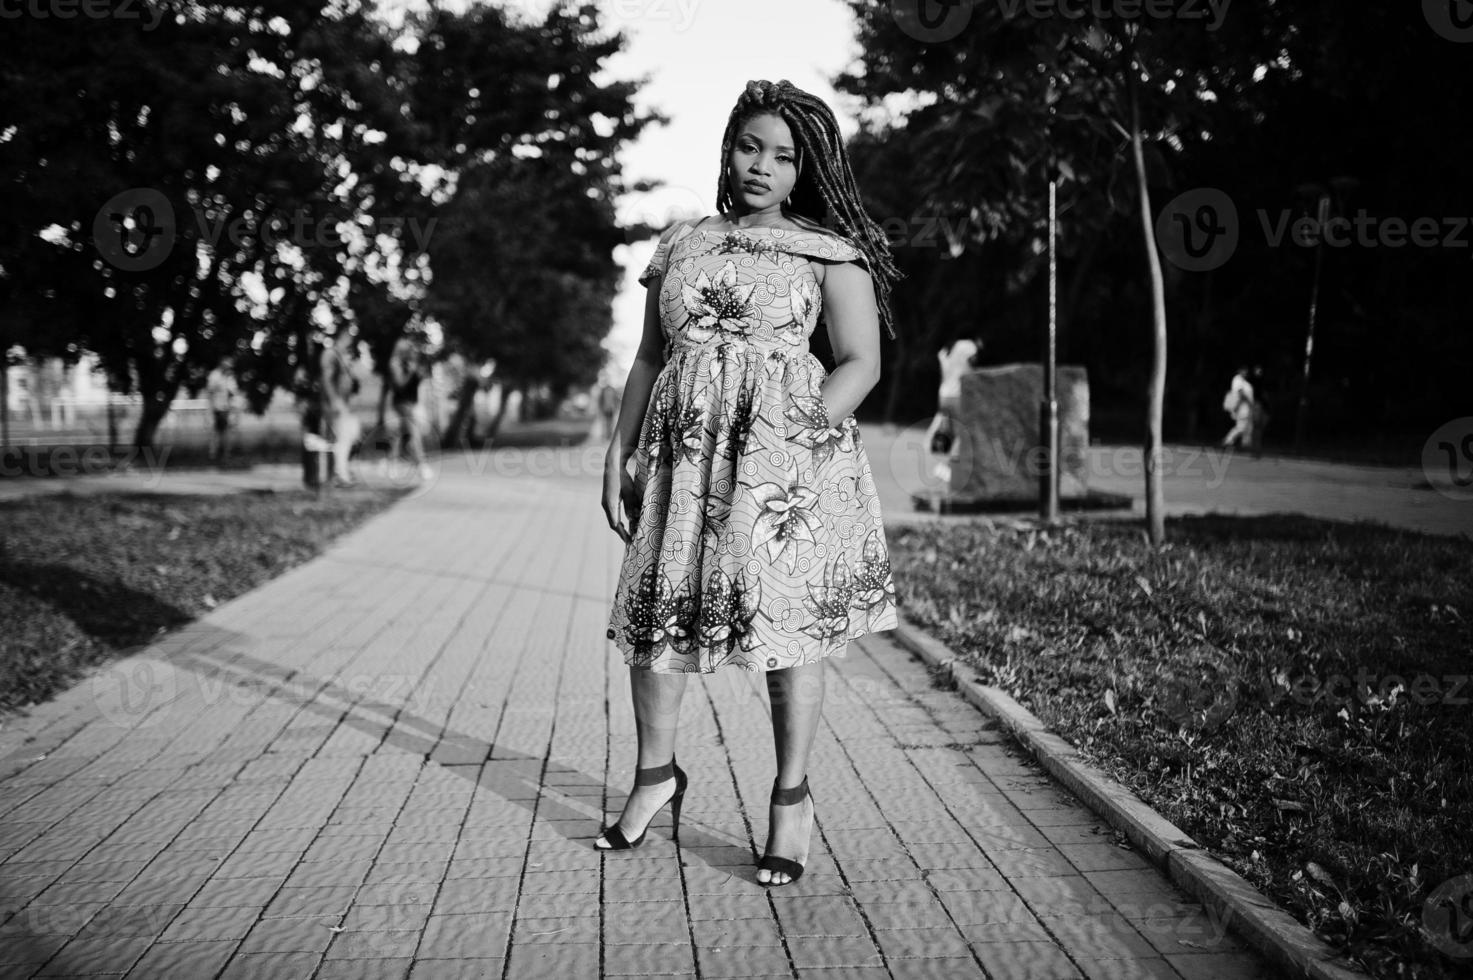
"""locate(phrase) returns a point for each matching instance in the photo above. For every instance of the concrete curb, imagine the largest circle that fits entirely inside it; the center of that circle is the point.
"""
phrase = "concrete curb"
(1250, 913)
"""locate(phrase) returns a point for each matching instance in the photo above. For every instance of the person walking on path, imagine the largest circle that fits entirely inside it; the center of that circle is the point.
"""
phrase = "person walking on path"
(339, 382)
(223, 396)
(754, 536)
(608, 408)
(408, 368)
(1238, 403)
(955, 360)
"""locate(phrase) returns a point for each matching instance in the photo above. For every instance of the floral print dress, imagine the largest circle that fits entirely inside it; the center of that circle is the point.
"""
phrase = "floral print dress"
(759, 541)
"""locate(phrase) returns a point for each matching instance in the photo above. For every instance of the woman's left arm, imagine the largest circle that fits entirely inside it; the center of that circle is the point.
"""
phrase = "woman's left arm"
(854, 334)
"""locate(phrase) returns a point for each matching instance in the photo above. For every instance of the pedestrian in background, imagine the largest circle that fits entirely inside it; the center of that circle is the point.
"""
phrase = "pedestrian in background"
(408, 367)
(223, 395)
(1238, 403)
(339, 383)
(955, 360)
(608, 408)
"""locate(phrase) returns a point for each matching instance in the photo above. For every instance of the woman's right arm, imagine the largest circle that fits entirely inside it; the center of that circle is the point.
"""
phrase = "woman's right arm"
(648, 361)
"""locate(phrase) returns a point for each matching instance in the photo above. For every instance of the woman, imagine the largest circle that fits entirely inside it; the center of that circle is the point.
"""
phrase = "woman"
(754, 535)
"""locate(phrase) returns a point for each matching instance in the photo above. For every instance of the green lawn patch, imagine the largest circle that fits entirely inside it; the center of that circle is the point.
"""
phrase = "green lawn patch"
(84, 578)
(1293, 693)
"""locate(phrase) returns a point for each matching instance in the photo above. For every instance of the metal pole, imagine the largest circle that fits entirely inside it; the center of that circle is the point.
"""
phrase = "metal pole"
(1048, 478)
(1300, 416)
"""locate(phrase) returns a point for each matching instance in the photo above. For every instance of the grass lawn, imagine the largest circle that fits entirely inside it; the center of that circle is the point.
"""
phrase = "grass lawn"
(1295, 694)
(85, 577)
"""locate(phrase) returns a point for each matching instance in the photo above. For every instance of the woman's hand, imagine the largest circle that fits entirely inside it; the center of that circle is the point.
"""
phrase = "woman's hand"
(621, 498)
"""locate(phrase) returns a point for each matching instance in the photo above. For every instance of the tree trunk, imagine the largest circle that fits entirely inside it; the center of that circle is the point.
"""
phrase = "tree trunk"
(900, 366)
(155, 407)
(1156, 395)
(495, 426)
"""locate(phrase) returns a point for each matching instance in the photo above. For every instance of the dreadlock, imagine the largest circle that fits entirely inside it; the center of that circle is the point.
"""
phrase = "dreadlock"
(826, 186)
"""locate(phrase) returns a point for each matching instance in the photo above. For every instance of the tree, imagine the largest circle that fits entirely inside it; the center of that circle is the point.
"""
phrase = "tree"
(1013, 95)
(222, 181)
(523, 269)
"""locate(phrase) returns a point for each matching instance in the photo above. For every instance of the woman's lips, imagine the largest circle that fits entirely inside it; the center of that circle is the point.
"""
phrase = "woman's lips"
(756, 185)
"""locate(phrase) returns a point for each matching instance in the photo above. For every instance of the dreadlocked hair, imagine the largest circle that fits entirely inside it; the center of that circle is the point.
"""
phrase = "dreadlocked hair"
(826, 188)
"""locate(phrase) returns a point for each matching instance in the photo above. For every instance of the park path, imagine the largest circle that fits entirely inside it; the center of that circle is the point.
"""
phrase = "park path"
(390, 762)
(1205, 480)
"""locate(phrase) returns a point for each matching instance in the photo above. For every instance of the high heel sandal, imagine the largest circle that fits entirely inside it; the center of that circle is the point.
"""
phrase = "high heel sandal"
(780, 865)
(649, 777)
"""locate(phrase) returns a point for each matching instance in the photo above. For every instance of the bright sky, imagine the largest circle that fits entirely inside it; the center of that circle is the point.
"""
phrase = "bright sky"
(698, 56)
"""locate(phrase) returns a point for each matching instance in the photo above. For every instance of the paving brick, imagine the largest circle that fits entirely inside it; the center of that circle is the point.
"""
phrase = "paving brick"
(743, 961)
(650, 959)
(271, 966)
(460, 937)
(307, 934)
(182, 961)
(96, 955)
(206, 924)
(1026, 961)
(473, 969)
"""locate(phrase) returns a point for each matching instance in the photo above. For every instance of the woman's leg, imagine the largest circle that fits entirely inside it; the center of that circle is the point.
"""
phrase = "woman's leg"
(797, 703)
(656, 718)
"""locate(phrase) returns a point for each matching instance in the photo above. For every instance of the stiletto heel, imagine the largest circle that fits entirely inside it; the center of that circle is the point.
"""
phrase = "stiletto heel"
(771, 863)
(617, 840)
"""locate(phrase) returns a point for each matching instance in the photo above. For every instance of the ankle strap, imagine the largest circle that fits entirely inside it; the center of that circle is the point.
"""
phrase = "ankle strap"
(649, 777)
(788, 797)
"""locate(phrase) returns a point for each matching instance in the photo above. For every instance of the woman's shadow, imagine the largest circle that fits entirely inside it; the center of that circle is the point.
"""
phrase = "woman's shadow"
(514, 776)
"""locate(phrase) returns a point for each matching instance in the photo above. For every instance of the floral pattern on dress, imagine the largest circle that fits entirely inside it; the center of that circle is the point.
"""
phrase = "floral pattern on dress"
(759, 541)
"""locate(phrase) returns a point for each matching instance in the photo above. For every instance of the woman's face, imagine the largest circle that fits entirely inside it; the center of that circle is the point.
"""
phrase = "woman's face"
(763, 164)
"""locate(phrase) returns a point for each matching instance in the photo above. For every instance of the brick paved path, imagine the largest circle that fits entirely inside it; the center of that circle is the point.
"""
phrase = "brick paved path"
(392, 761)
